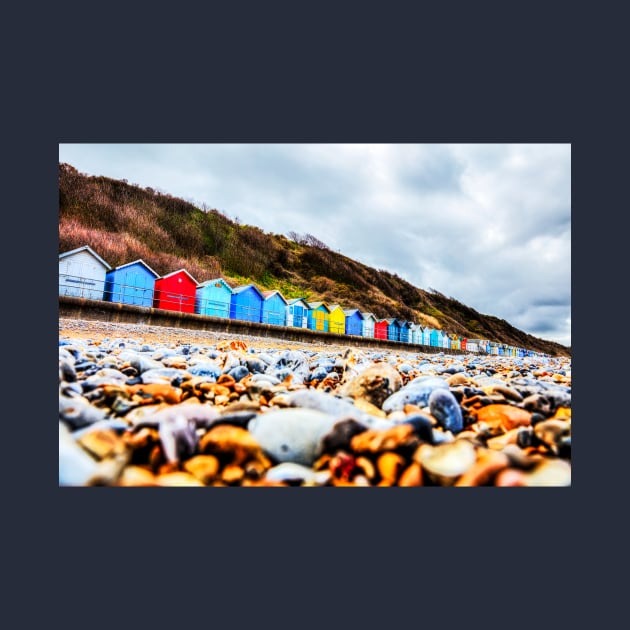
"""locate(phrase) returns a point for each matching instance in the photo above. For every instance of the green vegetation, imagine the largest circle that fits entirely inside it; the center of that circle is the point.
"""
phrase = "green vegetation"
(123, 222)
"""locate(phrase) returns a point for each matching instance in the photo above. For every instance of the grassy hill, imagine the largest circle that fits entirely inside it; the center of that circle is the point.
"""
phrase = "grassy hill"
(123, 222)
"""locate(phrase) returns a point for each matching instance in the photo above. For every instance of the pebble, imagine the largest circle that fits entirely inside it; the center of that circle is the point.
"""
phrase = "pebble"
(445, 408)
(154, 406)
(416, 392)
(292, 435)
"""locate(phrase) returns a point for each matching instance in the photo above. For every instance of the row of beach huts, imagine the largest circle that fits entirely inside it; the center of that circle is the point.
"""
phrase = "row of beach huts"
(83, 273)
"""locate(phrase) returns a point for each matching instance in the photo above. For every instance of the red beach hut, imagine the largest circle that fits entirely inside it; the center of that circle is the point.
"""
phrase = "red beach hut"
(380, 329)
(175, 292)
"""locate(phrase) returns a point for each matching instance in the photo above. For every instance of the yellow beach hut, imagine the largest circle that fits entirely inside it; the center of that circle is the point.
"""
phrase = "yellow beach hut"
(336, 320)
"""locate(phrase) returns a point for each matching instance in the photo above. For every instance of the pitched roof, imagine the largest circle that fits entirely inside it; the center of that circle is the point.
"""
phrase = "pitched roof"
(207, 283)
(157, 275)
(314, 305)
(168, 275)
(333, 307)
(244, 287)
(268, 294)
(88, 249)
(366, 315)
(349, 312)
(294, 300)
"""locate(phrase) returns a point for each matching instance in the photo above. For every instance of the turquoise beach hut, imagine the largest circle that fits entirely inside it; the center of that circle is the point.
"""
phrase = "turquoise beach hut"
(434, 338)
(213, 298)
(297, 313)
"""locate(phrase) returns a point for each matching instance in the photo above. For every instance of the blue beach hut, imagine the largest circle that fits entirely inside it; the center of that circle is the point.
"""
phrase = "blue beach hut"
(405, 332)
(132, 283)
(274, 308)
(246, 303)
(393, 329)
(354, 321)
(213, 297)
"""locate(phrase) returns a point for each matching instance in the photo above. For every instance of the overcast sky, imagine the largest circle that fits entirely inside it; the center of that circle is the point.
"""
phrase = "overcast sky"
(486, 224)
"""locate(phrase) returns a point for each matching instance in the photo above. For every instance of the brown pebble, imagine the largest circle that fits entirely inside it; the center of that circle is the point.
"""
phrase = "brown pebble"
(323, 462)
(364, 464)
(156, 457)
(178, 479)
(373, 441)
(234, 344)
(241, 405)
(485, 468)
(103, 443)
(374, 384)
(506, 417)
(562, 413)
(203, 467)
(457, 379)
(226, 380)
(262, 483)
(368, 407)
(411, 476)
(507, 392)
(550, 432)
(168, 467)
(136, 476)
(174, 362)
(142, 438)
(234, 444)
(389, 466)
(155, 392)
(499, 442)
(255, 469)
(445, 463)
(232, 474)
